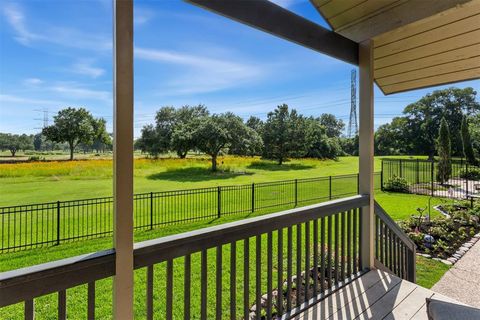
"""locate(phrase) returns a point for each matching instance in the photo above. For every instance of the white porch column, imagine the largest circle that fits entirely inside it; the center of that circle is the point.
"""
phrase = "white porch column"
(366, 152)
(123, 158)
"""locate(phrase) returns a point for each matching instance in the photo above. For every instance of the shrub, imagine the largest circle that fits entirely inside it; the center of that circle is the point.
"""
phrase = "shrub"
(397, 184)
(471, 174)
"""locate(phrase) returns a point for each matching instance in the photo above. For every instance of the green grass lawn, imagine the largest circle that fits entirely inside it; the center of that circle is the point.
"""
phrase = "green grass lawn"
(429, 271)
(38, 182)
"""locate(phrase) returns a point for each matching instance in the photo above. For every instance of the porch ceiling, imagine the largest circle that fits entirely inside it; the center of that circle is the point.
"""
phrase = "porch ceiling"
(417, 43)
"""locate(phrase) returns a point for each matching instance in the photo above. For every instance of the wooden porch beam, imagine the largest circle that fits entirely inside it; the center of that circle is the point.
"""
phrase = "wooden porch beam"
(271, 18)
(123, 158)
(366, 151)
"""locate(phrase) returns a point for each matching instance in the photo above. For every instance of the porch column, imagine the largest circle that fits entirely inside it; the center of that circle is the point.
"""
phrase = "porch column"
(366, 151)
(123, 158)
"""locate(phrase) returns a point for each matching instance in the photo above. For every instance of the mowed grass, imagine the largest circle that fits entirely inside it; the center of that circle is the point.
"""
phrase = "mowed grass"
(37, 182)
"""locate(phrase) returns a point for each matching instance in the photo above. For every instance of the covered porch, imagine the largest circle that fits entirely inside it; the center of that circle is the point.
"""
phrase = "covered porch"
(340, 259)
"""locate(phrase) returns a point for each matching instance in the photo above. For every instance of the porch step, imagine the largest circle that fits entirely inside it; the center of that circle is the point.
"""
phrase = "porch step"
(375, 295)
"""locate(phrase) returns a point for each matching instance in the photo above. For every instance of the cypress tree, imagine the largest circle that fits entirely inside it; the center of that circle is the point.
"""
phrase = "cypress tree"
(444, 149)
(467, 143)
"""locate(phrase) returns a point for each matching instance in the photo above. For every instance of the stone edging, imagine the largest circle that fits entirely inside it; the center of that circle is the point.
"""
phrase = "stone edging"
(458, 254)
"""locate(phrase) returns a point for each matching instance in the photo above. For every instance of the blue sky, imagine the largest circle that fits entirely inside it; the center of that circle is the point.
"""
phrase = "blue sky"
(55, 54)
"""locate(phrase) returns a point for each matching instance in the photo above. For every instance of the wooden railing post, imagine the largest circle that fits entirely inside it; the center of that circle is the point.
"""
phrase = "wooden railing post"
(123, 158)
(366, 153)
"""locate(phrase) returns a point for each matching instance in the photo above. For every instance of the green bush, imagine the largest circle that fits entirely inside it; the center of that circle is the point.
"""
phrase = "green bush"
(397, 184)
(471, 174)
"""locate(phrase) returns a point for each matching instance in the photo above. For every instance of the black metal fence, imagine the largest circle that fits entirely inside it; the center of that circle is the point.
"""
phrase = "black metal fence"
(421, 177)
(36, 225)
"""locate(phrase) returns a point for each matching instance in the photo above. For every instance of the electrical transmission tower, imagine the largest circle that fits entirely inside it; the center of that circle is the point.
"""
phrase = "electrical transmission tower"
(45, 117)
(352, 123)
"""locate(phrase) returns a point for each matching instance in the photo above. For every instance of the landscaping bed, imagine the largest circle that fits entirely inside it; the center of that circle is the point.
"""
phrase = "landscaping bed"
(441, 236)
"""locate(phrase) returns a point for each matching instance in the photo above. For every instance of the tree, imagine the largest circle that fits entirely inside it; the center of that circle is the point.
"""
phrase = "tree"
(186, 118)
(474, 126)
(319, 145)
(38, 142)
(101, 138)
(247, 142)
(15, 142)
(284, 134)
(390, 138)
(424, 117)
(149, 141)
(333, 126)
(467, 143)
(165, 120)
(73, 126)
(444, 153)
(183, 138)
(213, 133)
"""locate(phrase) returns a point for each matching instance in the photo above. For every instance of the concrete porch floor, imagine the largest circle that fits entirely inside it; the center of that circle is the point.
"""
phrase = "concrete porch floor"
(375, 295)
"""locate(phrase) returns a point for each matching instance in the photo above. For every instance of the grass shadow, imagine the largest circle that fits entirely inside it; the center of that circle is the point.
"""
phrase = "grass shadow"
(194, 174)
(273, 166)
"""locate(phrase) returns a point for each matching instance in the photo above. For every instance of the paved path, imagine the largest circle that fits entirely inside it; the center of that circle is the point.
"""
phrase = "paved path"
(462, 281)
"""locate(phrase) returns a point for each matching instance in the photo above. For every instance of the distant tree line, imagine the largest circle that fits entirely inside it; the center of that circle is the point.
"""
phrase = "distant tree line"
(284, 134)
(417, 131)
(73, 128)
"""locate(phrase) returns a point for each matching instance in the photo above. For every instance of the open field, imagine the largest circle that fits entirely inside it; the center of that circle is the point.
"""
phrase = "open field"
(37, 182)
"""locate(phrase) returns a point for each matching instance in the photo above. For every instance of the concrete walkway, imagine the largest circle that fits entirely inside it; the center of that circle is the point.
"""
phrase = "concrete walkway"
(462, 281)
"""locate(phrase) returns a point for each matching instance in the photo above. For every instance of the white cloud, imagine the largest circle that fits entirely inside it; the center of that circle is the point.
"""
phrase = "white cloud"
(142, 16)
(13, 99)
(62, 36)
(16, 19)
(86, 68)
(32, 81)
(78, 92)
(202, 74)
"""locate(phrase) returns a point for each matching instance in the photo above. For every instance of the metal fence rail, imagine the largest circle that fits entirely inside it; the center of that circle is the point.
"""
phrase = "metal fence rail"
(36, 225)
(421, 177)
(277, 264)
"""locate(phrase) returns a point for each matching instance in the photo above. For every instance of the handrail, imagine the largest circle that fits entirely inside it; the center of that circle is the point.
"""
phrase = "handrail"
(31, 282)
(392, 225)
(161, 249)
(27, 283)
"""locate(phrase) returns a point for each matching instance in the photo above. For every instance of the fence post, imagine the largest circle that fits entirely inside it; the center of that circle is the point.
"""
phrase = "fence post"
(401, 168)
(151, 210)
(58, 222)
(432, 174)
(253, 197)
(219, 202)
(417, 175)
(381, 177)
(466, 177)
(296, 192)
(330, 187)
